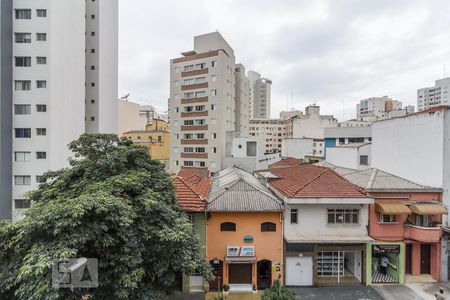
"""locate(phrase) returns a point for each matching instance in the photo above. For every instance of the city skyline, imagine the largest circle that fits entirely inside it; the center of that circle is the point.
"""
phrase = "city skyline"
(346, 59)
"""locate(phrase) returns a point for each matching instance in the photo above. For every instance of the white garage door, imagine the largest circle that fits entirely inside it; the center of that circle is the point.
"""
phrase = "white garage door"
(299, 271)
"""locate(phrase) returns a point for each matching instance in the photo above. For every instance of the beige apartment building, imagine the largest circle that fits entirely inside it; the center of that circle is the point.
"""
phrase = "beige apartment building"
(202, 103)
(260, 96)
(271, 131)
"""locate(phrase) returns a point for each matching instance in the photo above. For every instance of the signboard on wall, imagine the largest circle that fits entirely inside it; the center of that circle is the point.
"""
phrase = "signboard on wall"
(384, 249)
(235, 251)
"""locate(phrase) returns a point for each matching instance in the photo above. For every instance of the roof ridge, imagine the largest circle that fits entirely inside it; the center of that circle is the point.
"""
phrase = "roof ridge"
(355, 186)
(407, 180)
(190, 188)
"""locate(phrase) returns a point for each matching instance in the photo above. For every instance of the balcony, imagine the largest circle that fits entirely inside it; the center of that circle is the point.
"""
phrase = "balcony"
(194, 86)
(194, 127)
(194, 114)
(194, 72)
(194, 100)
(423, 234)
(194, 142)
(194, 155)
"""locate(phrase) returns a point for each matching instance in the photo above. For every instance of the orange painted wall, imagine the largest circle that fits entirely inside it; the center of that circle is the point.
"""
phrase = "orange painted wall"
(268, 245)
(435, 260)
(395, 232)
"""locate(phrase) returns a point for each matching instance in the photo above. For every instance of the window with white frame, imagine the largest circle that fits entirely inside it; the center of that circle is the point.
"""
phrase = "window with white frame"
(188, 149)
(188, 163)
(41, 13)
(41, 84)
(199, 164)
(41, 131)
(22, 109)
(22, 37)
(200, 94)
(188, 68)
(22, 156)
(342, 216)
(22, 180)
(330, 264)
(22, 85)
(41, 155)
(41, 60)
(41, 37)
(23, 14)
(189, 95)
(213, 92)
(214, 78)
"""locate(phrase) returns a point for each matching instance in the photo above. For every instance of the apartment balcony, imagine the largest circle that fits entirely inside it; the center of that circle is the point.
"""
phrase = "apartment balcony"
(194, 142)
(423, 234)
(194, 127)
(194, 100)
(194, 72)
(194, 86)
(194, 155)
(194, 114)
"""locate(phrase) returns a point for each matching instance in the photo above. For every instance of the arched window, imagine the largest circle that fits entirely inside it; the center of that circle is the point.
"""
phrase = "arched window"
(228, 226)
(268, 226)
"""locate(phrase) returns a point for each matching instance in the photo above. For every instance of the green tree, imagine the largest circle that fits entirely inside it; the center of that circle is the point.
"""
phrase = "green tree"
(113, 203)
(277, 292)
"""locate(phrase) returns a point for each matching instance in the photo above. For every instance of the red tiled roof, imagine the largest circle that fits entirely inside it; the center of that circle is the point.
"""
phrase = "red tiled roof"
(308, 181)
(286, 162)
(192, 187)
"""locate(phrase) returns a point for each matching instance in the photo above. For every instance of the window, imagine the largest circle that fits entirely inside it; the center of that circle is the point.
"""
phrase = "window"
(41, 60)
(92, 68)
(213, 63)
(214, 78)
(22, 180)
(294, 216)
(92, 17)
(268, 226)
(41, 84)
(188, 122)
(356, 140)
(22, 109)
(22, 37)
(41, 131)
(22, 61)
(92, 50)
(41, 155)
(41, 13)
(188, 68)
(213, 106)
(213, 92)
(41, 107)
(189, 95)
(92, 84)
(341, 141)
(41, 37)
(23, 14)
(200, 149)
(188, 136)
(200, 66)
(382, 218)
(92, 101)
(23, 132)
(228, 226)
(330, 263)
(92, 33)
(200, 94)
(92, 118)
(22, 85)
(22, 156)
(199, 164)
(188, 163)
(214, 135)
(343, 216)
(364, 160)
(22, 203)
(200, 136)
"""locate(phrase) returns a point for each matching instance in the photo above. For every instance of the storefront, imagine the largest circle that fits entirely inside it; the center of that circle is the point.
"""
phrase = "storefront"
(324, 264)
(385, 263)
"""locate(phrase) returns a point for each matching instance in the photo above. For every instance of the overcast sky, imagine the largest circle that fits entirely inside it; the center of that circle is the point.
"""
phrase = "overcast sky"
(332, 53)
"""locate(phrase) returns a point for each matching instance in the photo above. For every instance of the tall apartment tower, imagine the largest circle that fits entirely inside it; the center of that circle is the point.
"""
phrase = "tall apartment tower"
(260, 96)
(242, 105)
(202, 103)
(433, 96)
(54, 55)
(376, 107)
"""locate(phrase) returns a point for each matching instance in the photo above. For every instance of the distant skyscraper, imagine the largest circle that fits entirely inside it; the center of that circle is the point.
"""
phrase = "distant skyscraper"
(433, 96)
(376, 107)
(260, 96)
(61, 83)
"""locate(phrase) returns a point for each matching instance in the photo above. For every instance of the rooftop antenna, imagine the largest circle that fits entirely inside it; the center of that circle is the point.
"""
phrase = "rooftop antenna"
(125, 97)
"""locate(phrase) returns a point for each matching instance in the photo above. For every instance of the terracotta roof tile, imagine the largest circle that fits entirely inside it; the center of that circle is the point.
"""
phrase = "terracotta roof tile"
(308, 181)
(192, 187)
(286, 162)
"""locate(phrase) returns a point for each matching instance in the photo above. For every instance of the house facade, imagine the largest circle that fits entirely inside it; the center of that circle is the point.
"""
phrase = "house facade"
(192, 188)
(406, 223)
(325, 225)
(244, 232)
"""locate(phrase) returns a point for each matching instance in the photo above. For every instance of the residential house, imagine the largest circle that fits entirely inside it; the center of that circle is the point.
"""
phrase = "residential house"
(192, 187)
(244, 232)
(406, 223)
(325, 225)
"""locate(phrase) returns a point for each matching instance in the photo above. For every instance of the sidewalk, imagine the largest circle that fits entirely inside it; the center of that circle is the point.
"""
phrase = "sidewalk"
(396, 292)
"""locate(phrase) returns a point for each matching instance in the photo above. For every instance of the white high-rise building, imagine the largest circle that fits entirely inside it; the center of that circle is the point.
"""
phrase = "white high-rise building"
(376, 107)
(260, 94)
(242, 96)
(202, 103)
(62, 82)
(433, 96)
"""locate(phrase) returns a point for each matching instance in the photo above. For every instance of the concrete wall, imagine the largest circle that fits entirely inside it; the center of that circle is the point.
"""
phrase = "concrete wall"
(128, 117)
(312, 221)
(312, 126)
(343, 157)
(297, 148)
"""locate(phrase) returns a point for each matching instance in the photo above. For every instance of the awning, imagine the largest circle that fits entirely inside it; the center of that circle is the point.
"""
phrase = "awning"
(428, 209)
(240, 259)
(392, 208)
(328, 239)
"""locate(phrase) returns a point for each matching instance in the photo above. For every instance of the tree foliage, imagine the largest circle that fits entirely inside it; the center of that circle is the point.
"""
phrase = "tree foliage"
(113, 203)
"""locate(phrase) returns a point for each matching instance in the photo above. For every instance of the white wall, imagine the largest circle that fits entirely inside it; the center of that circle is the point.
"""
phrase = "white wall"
(412, 147)
(312, 221)
(312, 126)
(297, 148)
(343, 157)
(128, 117)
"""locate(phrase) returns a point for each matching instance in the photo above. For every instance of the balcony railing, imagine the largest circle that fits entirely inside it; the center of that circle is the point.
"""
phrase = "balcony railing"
(194, 72)
(194, 127)
(194, 86)
(194, 142)
(423, 234)
(194, 114)
(194, 100)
